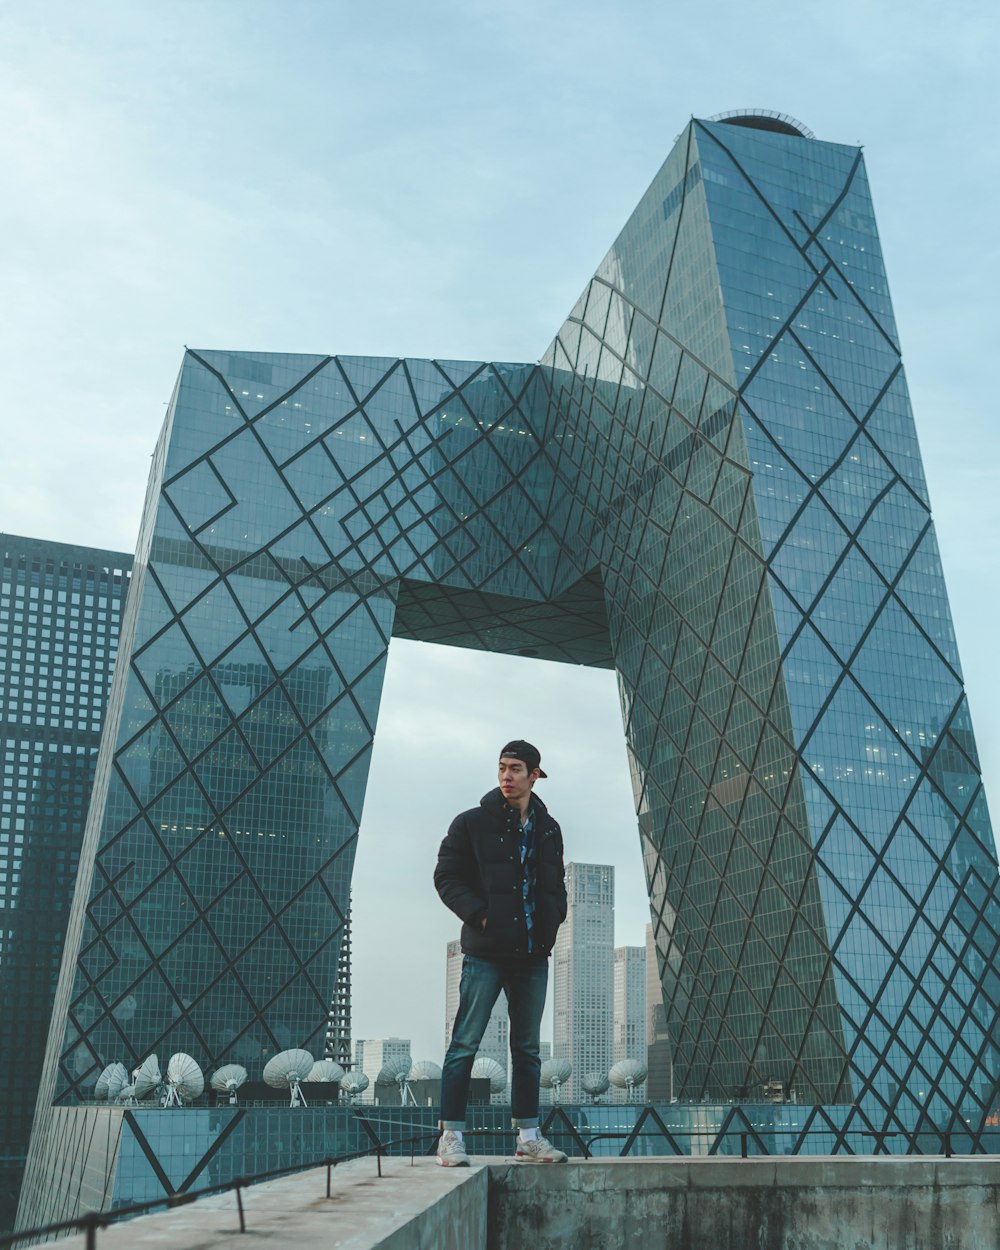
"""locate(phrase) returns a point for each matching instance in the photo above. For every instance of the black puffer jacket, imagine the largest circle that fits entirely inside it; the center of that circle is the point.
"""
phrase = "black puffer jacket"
(479, 874)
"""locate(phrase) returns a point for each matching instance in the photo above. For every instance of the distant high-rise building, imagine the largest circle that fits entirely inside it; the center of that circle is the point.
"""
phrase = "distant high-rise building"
(60, 613)
(371, 1055)
(659, 1082)
(582, 989)
(628, 1038)
(338, 1033)
(495, 1040)
(628, 1034)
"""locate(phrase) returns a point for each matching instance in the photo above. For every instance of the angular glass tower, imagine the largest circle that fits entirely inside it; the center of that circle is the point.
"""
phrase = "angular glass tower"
(711, 483)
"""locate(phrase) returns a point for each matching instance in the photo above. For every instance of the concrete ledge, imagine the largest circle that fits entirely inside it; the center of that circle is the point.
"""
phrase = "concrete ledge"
(423, 1207)
(804, 1203)
(782, 1203)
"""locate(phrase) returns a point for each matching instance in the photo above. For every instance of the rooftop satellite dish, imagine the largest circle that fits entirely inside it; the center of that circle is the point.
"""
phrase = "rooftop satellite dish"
(126, 1096)
(627, 1074)
(326, 1070)
(487, 1069)
(424, 1070)
(228, 1079)
(391, 1072)
(397, 1072)
(185, 1080)
(286, 1069)
(554, 1073)
(112, 1081)
(146, 1077)
(354, 1084)
(595, 1084)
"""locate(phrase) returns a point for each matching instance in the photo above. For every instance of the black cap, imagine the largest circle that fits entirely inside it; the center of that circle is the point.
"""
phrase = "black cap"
(526, 753)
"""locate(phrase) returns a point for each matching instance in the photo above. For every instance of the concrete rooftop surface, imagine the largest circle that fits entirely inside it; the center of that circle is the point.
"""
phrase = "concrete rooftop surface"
(803, 1203)
(364, 1211)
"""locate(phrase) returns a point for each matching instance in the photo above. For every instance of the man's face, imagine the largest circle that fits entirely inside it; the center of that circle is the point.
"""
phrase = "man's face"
(515, 780)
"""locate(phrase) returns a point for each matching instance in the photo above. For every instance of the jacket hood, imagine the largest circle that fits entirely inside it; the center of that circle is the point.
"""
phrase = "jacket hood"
(493, 801)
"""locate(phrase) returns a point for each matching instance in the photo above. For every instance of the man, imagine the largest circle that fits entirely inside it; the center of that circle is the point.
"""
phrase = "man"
(500, 869)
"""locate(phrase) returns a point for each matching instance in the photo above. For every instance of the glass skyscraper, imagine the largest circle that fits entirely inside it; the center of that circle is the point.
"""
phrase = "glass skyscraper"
(711, 483)
(60, 613)
(583, 978)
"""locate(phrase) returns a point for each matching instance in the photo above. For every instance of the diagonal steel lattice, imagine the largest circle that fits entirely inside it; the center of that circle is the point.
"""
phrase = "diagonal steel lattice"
(711, 483)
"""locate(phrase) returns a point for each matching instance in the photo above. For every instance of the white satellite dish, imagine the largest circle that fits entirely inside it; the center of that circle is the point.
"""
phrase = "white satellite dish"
(112, 1081)
(126, 1096)
(354, 1084)
(554, 1073)
(421, 1070)
(627, 1074)
(228, 1079)
(146, 1077)
(487, 1069)
(326, 1070)
(185, 1080)
(286, 1069)
(397, 1072)
(594, 1084)
(424, 1070)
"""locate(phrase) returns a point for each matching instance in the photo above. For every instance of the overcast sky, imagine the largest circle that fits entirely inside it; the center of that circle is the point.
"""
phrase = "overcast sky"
(441, 180)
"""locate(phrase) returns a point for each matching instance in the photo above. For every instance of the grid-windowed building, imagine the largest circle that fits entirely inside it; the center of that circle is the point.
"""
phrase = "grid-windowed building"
(583, 977)
(60, 614)
(711, 483)
(628, 1037)
(338, 1029)
(628, 1024)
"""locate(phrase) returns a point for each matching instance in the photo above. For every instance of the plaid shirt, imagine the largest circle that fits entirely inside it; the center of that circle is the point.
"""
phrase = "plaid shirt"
(529, 874)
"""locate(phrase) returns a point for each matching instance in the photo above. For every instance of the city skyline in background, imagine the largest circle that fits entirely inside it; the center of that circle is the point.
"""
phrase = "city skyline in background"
(133, 278)
(600, 992)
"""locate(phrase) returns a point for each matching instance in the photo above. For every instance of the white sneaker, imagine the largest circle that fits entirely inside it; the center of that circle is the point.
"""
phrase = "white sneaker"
(538, 1151)
(451, 1151)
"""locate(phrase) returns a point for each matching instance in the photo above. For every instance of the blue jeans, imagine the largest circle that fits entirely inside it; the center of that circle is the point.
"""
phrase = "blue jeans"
(524, 982)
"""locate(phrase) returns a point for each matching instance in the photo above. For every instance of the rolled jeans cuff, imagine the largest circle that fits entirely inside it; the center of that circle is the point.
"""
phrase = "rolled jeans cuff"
(451, 1126)
(531, 1121)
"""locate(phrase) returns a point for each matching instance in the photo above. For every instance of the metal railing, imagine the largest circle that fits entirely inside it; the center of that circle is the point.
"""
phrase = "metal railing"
(746, 1136)
(557, 1123)
(92, 1221)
